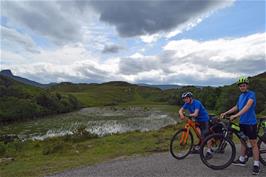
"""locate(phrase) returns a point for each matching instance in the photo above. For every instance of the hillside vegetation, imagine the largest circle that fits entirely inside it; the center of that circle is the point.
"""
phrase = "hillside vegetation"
(217, 99)
(20, 101)
(111, 93)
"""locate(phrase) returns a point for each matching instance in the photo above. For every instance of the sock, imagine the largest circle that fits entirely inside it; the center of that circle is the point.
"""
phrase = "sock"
(242, 158)
(209, 150)
(256, 163)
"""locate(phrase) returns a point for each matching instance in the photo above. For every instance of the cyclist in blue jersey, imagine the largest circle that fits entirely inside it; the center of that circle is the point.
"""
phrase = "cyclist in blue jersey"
(197, 110)
(245, 109)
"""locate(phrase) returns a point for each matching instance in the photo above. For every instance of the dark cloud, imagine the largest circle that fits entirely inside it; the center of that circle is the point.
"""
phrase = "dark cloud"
(256, 64)
(48, 18)
(111, 49)
(134, 66)
(134, 18)
(62, 21)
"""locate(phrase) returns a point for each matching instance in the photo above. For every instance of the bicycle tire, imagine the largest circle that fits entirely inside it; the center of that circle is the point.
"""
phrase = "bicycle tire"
(222, 156)
(262, 150)
(175, 148)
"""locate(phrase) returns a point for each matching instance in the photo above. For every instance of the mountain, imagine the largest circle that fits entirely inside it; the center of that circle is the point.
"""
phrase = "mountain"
(162, 87)
(166, 87)
(9, 74)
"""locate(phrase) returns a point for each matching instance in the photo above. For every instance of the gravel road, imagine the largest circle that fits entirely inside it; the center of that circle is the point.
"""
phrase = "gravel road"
(158, 165)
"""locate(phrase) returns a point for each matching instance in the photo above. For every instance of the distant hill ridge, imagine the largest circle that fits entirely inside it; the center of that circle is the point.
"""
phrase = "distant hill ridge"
(8, 73)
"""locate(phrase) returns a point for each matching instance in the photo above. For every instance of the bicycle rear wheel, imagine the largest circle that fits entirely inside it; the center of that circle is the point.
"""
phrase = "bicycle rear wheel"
(180, 147)
(222, 149)
(262, 149)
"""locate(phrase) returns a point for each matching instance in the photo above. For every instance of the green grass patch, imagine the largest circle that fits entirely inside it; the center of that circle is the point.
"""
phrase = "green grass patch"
(39, 158)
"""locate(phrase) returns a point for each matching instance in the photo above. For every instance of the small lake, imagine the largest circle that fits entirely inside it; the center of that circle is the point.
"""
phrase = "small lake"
(98, 120)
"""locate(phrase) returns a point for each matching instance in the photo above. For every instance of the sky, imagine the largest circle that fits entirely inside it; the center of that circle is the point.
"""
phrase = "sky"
(184, 42)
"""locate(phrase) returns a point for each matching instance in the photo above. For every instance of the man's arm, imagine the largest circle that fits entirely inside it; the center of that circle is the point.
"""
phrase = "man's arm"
(230, 111)
(195, 113)
(181, 115)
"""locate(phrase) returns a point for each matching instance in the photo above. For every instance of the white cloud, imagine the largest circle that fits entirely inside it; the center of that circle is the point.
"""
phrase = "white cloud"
(213, 62)
(220, 50)
(137, 55)
(150, 38)
(17, 41)
(68, 54)
(11, 58)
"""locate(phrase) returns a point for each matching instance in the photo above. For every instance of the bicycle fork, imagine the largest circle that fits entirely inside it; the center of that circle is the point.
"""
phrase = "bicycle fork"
(184, 137)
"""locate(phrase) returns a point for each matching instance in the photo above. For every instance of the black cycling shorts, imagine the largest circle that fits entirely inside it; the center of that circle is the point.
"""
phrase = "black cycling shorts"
(204, 128)
(249, 130)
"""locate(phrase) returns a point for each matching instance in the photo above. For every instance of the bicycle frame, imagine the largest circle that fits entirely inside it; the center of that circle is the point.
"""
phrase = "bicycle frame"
(190, 124)
(225, 138)
(233, 128)
(230, 131)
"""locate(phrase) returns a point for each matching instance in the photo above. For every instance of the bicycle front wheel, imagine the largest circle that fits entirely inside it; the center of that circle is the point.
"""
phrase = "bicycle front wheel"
(181, 144)
(262, 149)
(217, 152)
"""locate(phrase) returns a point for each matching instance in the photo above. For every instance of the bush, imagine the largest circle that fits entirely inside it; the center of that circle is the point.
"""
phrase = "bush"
(53, 148)
(13, 109)
(2, 149)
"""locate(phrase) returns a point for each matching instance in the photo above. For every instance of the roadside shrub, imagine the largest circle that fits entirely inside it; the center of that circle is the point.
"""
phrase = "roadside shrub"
(18, 146)
(53, 148)
(2, 149)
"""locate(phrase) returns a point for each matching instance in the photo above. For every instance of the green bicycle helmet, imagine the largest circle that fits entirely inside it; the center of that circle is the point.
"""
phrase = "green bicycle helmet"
(242, 80)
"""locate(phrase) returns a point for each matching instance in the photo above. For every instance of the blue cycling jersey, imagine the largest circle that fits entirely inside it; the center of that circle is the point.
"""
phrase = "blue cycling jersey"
(248, 117)
(196, 104)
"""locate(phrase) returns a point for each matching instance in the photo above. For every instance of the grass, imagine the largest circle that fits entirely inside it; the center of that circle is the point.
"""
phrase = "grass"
(39, 158)
(109, 94)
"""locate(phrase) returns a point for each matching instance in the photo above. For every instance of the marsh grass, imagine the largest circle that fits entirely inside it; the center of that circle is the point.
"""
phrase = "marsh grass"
(39, 158)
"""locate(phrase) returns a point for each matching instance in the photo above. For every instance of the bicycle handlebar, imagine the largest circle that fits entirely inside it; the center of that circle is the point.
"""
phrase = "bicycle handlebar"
(189, 117)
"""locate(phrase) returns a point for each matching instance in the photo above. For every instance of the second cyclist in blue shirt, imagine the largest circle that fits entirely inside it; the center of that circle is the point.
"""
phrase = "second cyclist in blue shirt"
(197, 110)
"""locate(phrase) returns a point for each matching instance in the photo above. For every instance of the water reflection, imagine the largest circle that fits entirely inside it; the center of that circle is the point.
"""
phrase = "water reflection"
(100, 121)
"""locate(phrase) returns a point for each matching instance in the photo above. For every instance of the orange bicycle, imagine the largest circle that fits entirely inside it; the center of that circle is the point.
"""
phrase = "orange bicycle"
(183, 141)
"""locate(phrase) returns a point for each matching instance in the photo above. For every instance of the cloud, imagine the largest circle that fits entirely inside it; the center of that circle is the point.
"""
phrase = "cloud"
(208, 62)
(112, 48)
(138, 18)
(17, 41)
(66, 22)
(245, 55)
(138, 64)
(78, 72)
(59, 21)
(190, 62)
(70, 63)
